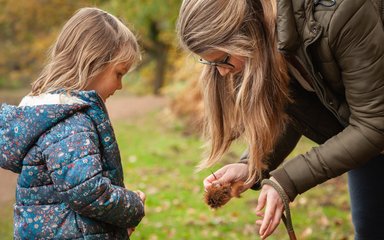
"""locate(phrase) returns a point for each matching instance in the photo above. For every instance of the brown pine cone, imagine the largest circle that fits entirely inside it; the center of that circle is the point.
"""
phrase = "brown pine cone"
(218, 195)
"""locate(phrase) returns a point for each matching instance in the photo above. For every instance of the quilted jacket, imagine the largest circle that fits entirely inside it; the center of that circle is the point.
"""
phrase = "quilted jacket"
(70, 183)
(338, 47)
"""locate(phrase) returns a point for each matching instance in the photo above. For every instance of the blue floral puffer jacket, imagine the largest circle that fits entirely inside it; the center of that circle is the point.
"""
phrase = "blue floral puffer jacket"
(71, 181)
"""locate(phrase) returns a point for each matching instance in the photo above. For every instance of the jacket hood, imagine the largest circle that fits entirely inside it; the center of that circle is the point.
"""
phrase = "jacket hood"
(21, 126)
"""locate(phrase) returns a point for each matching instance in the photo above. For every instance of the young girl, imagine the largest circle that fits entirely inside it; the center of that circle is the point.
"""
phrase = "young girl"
(61, 142)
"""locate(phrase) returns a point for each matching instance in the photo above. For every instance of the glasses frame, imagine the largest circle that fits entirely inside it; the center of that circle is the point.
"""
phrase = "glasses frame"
(223, 63)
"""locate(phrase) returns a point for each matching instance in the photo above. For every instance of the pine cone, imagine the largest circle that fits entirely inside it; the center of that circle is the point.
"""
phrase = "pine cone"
(218, 195)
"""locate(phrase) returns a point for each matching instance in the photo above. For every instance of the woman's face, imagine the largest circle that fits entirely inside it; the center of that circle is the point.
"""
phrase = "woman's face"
(224, 62)
(109, 80)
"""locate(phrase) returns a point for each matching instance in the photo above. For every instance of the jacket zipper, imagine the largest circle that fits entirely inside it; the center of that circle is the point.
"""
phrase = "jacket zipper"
(319, 89)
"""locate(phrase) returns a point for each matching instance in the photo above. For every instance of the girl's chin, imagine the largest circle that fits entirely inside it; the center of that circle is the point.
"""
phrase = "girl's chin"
(103, 98)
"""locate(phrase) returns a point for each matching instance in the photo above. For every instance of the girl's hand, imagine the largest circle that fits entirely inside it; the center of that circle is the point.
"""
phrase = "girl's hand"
(230, 173)
(130, 231)
(274, 207)
(142, 196)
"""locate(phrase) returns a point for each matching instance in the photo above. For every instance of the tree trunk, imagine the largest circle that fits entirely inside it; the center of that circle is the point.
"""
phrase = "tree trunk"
(159, 51)
(160, 68)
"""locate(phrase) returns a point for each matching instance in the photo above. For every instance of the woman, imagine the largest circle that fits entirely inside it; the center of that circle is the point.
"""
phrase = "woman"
(278, 70)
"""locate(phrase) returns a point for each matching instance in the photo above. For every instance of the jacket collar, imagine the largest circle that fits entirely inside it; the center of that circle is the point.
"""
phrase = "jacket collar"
(49, 99)
(296, 24)
(286, 26)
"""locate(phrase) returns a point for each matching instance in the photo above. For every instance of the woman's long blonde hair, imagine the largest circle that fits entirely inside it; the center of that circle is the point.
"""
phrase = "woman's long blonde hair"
(250, 104)
(88, 42)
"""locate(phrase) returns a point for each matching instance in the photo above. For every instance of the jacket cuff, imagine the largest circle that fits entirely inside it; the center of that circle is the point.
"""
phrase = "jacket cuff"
(136, 209)
(283, 179)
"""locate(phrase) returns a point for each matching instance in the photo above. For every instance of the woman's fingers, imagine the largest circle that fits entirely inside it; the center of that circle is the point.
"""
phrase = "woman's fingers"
(260, 206)
(269, 199)
(275, 221)
(261, 202)
(269, 214)
(221, 176)
(273, 224)
(228, 174)
(212, 179)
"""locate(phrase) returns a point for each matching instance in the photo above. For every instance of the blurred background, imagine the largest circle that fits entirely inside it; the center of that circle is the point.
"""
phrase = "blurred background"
(157, 118)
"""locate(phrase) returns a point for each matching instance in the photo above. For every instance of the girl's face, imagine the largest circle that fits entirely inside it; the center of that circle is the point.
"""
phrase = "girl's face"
(224, 62)
(109, 80)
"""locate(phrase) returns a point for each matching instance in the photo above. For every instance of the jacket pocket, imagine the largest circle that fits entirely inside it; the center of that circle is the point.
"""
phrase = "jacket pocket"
(45, 222)
(92, 227)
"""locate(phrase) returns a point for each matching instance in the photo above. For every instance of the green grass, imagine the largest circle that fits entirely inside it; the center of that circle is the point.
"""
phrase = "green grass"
(159, 159)
(6, 221)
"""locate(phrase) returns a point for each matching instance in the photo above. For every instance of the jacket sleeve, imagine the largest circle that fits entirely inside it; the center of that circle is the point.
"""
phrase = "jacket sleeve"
(356, 39)
(75, 163)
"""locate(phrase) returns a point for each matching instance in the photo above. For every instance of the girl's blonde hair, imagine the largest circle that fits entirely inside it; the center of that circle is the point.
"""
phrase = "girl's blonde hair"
(89, 41)
(250, 104)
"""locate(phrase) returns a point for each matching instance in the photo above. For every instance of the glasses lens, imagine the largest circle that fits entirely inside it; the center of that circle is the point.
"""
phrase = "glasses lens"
(225, 65)
(222, 64)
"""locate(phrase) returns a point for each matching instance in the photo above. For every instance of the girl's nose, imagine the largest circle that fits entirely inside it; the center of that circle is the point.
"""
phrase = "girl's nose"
(120, 85)
(223, 71)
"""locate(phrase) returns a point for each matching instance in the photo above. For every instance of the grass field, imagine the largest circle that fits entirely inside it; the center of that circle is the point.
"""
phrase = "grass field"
(159, 159)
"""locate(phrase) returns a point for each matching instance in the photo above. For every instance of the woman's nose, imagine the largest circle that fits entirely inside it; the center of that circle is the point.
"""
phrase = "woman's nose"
(223, 71)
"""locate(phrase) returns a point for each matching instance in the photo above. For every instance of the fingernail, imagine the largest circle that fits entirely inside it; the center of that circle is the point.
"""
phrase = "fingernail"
(216, 184)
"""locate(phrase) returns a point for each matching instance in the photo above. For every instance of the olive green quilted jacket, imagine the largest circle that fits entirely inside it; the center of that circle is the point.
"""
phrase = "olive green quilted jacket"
(338, 47)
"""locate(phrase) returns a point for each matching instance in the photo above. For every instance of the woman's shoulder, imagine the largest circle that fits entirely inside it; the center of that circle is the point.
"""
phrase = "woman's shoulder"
(353, 11)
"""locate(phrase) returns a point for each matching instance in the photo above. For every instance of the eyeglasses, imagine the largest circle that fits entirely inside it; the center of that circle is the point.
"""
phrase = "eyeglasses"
(223, 63)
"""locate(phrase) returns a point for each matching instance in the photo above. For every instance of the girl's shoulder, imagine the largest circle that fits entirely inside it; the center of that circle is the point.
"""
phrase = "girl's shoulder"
(76, 126)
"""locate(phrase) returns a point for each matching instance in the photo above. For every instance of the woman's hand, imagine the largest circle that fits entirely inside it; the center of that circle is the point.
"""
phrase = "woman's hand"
(230, 173)
(274, 207)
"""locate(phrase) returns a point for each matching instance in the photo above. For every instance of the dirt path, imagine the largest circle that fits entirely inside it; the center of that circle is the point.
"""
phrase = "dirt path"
(119, 108)
(7, 186)
(122, 107)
